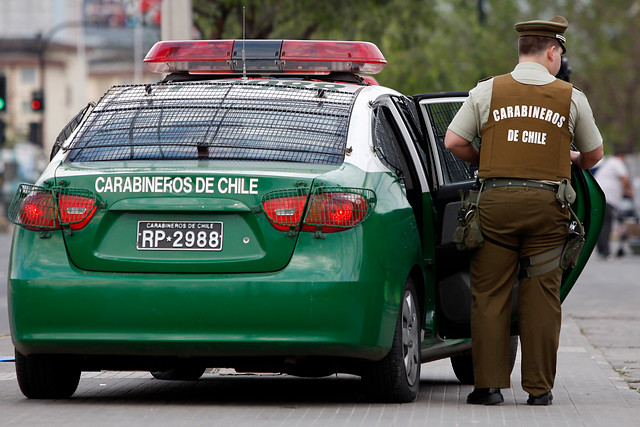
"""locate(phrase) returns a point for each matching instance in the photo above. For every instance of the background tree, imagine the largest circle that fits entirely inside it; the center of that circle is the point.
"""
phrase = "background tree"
(448, 45)
(292, 19)
(606, 66)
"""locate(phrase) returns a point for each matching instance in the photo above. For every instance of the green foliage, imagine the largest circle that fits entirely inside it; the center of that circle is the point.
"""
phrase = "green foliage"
(606, 67)
(292, 19)
(440, 45)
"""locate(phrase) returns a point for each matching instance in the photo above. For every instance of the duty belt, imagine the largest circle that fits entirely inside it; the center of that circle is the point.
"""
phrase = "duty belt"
(517, 182)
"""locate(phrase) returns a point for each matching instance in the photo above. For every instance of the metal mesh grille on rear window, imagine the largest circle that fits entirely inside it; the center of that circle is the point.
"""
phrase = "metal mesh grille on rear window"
(454, 169)
(216, 120)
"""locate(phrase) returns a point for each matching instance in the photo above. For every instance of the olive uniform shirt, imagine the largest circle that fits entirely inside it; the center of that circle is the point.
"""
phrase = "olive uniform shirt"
(474, 113)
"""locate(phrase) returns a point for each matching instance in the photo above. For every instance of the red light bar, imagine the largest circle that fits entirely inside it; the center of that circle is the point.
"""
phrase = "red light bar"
(319, 56)
(194, 55)
(265, 57)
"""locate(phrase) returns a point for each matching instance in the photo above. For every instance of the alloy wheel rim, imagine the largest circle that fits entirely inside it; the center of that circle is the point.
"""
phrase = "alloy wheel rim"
(410, 341)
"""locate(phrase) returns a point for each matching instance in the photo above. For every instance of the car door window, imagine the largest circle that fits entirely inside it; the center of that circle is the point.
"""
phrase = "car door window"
(438, 116)
(411, 119)
(397, 141)
(388, 147)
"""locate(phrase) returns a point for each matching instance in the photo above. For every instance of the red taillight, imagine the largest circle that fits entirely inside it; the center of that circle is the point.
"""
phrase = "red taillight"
(76, 211)
(285, 212)
(37, 211)
(335, 211)
(330, 209)
(42, 208)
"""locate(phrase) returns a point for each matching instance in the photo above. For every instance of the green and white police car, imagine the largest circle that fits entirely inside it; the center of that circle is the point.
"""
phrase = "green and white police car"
(261, 208)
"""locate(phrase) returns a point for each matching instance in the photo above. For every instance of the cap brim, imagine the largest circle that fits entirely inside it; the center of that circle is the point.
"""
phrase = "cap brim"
(564, 49)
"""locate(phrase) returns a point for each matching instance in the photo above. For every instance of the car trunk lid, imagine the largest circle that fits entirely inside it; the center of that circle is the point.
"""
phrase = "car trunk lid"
(161, 219)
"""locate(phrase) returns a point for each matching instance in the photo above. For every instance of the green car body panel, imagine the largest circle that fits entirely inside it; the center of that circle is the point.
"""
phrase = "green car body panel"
(341, 291)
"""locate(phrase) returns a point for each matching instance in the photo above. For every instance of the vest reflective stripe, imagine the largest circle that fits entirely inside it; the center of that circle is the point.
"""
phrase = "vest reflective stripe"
(527, 134)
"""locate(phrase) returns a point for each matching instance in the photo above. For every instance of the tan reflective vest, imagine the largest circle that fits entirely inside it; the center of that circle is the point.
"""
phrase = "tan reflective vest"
(527, 134)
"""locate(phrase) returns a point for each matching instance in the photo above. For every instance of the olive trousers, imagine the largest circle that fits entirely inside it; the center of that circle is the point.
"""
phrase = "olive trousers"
(523, 222)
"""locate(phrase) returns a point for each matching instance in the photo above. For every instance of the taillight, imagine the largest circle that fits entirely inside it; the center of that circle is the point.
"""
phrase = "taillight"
(37, 211)
(41, 208)
(76, 211)
(284, 208)
(330, 209)
(335, 211)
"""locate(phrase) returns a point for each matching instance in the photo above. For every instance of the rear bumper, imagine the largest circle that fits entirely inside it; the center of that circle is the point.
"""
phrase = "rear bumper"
(346, 308)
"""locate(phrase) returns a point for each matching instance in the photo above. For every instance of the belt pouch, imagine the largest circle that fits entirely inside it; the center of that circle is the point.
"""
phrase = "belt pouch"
(468, 235)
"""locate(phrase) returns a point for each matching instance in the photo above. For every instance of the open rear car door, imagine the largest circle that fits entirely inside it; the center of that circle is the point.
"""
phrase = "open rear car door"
(448, 176)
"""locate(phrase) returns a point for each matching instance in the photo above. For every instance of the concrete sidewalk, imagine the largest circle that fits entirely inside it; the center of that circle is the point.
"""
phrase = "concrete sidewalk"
(588, 392)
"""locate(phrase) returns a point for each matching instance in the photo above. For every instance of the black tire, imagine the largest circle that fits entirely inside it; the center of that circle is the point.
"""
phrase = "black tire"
(396, 378)
(463, 365)
(182, 372)
(463, 368)
(46, 377)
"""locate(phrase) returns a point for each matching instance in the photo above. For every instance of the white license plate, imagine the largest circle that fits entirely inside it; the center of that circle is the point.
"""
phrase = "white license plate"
(179, 236)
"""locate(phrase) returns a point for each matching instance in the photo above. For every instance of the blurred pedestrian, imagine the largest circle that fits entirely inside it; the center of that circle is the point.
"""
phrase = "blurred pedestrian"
(613, 176)
(527, 120)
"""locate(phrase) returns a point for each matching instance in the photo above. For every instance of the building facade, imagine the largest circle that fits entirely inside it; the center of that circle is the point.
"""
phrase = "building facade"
(63, 54)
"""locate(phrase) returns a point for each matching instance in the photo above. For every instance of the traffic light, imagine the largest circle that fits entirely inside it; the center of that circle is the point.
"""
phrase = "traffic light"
(37, 101)
(35, 133)
(3, 93)
(2, 135)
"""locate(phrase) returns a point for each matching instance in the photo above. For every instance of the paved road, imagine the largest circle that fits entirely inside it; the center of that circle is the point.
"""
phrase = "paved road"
(605, 305)
(598, 363)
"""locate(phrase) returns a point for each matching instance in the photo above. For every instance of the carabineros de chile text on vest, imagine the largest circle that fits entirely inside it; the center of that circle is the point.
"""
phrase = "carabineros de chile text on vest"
(530, 111)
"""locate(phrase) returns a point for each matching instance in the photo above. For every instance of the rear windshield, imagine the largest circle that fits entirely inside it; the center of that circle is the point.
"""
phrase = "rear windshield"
(264, 120)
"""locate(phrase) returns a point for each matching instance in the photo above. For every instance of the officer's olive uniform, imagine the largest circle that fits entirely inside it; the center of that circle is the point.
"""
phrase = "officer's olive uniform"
(527, 120)
(526, 136)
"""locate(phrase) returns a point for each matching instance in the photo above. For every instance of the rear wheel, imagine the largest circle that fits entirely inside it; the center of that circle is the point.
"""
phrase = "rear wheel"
(463, 365)
(182, 372)
(46, 377)
(396, 378)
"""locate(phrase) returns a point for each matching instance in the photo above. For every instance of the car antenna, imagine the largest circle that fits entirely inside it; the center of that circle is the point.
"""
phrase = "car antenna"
(244, 64)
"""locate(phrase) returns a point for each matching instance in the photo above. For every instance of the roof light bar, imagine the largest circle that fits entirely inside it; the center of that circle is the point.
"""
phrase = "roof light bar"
(265, 57)
(197, 55)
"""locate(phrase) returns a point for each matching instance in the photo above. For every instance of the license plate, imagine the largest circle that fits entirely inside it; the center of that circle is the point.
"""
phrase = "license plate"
(179, 236)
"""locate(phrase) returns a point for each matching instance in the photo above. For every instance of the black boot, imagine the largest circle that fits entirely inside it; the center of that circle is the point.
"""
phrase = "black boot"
(485, 396)
(542, 400)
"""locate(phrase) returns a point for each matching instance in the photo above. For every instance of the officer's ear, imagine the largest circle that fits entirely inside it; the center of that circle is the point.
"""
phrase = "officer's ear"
(553, 55)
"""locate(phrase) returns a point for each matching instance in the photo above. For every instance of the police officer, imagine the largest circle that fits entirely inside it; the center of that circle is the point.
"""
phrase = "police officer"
(527, 120)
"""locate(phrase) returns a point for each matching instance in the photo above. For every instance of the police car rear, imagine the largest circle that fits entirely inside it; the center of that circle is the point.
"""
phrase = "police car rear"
(233, 215)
